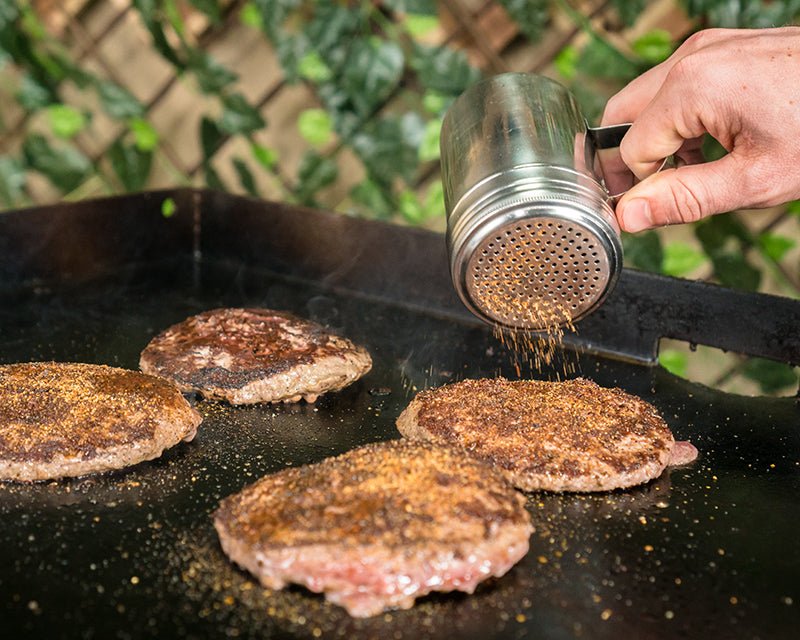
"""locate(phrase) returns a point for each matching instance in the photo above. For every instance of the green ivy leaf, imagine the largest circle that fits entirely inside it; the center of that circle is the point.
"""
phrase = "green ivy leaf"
(250, 16)
(419, 25)
(168, 207)
(752, 14)
(118, 102)
(375, 198)
(717, 232)
(245, 177)
(429, 146)
(313, 68)
(435, 103)
(239, 116)
(274, 13)
(64, 166)
(144, 134)
(316, 126)
(443, 70)
(776, 246)
(770, 376)
(34, 95)
(566, 62)
(644, 251)
(265, 156)
(210, 8)
(712, 149)
(149, 12)
(12, 180)
(681, 258)
(410, 207)
(336, 27)
(532, 16)
(655, 46)
(600, 59)
(424, 7)
(65, 121)
(213, 181)
(629, 10)
(733, 270)
(174, 17)
(211, 136)
(676, 362)
(388, 147)
(211, 75)
(434, 200)
(315, 173)
(373, 69)
(131, 165)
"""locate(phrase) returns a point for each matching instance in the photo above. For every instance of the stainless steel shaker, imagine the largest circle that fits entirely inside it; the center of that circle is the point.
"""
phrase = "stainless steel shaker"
(532, 238)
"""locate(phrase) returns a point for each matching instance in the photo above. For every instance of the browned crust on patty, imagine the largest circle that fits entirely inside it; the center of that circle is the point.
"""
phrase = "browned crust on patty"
(353, 525)
(553, 436)
(62, 419)
(254, 355)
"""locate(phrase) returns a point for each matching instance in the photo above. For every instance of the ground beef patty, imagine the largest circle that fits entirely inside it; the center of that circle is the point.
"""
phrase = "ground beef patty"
(378, 526)
(62, 419)
(553, 436)
(254, 355)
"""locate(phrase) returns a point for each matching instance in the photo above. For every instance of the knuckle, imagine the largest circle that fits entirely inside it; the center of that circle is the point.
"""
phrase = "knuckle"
(703, 38)
(690, 202)
(612, 113)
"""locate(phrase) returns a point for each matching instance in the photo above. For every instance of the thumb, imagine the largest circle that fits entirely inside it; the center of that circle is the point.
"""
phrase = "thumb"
(686, 194)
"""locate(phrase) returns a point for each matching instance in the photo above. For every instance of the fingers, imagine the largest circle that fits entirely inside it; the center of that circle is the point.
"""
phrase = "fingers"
(682, 195)
(627, 104)
(667, 123)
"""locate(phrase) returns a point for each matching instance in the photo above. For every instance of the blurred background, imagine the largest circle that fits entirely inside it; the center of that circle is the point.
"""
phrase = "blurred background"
(338, 105)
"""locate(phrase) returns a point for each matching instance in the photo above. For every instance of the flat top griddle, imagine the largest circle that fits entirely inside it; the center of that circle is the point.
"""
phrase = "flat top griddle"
(706, 551)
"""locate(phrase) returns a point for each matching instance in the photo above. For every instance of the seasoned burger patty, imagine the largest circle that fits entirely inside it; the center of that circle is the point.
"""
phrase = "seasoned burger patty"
(378, 526)
(254, 355)
(553, 436)
(61, 419)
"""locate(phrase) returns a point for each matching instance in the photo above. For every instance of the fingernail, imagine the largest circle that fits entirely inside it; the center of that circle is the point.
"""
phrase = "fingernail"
(636, 215)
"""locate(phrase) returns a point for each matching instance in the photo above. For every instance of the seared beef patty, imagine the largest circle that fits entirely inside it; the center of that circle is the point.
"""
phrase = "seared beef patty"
(254, 355)
(553, 436)
(61, 419)
(378, 526)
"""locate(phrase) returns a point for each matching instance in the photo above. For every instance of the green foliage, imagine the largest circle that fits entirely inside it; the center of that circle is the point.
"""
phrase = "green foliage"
(744, 14)
(316, 126)
(654, 46)
(532, 16)
(770, 376)
(168, 207)
(316, 172)
(246, 178)
(65, 121)
(629, 10)
(681, 259)
(131, 164)
(12, 180)
(643, 251)
(725, 241)
(674, 361)
(776, 246)
(63, 165)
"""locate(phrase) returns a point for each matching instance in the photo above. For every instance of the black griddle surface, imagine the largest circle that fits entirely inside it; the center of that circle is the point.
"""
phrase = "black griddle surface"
(706, 551)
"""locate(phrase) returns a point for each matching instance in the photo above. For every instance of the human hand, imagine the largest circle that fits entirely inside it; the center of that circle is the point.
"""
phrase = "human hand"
(740, 86)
